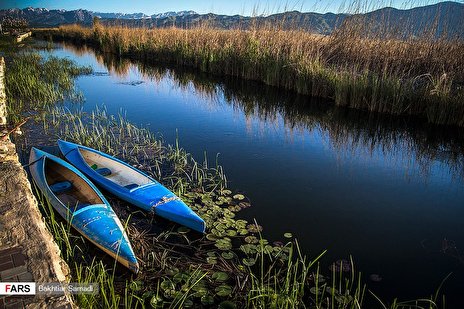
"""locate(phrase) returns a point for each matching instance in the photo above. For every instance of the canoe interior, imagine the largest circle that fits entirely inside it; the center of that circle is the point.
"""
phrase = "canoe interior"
(120, 173)
(79, 195)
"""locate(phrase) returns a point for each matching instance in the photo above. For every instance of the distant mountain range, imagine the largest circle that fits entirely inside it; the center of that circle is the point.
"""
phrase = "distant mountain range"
(142, 15)
(444, 17)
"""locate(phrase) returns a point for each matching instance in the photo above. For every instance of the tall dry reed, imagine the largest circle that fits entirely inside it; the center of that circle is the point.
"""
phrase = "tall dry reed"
(414, 76)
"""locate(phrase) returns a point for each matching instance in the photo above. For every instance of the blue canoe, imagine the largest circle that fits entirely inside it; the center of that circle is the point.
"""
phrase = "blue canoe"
(79, 202)
(130, 184)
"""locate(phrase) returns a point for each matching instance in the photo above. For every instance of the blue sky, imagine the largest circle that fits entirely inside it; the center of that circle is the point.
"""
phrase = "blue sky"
(229, 7)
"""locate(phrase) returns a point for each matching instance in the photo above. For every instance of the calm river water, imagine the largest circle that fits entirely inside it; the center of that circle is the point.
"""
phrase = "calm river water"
(387, 191)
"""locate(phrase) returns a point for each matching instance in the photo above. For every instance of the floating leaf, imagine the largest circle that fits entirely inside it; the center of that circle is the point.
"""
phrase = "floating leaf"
(251, 239)
(156, 302)
(240, 224)
(220, 276)
(167, 285)
(231, 233)
(183, 230)
(267, 249)
(211, 236)
(169, 294)
(228, 255)
(228, 213)
(223, 290)
(180, 277)
(200, 291)
(248, 248)
(244, 205)
(239, 197)
(254, 228)
(227, 305)
(207, 300)
(223, 244)
(211, 253)
(288, 235)
(211, 260)
(243, 232)
(226, 192)
(172, 272)
(249, 261)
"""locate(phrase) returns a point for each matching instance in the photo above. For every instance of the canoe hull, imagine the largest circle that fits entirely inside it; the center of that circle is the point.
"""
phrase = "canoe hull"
(152, 197)
(97, 223)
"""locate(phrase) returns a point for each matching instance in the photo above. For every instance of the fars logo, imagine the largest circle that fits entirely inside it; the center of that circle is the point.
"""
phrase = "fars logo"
(17, 288)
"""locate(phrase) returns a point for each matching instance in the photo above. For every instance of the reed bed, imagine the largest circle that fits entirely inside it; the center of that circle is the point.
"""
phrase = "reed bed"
(416, 76)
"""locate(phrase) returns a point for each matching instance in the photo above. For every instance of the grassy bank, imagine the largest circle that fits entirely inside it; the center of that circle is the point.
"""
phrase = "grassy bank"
(422, 77)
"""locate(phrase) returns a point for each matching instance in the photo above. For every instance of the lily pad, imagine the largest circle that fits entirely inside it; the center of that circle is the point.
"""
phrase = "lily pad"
(248, 248)
(211, 236)
(220, 276)
(223, 244)
(231, 233)
(223, 290)
(180, 277)
(244, 205)
(211, 260)
(227, 305)
(228, 255)
(156, 302)
(268, 249)
(254, 228)
(207, 300)
(169, 294)
(200, 291)
(226, 192)
(242, 231)
(240, 224)
(251, 239)
(288, 235)
(167, 285)
(187, 303)
(239, 197)
(249, 261)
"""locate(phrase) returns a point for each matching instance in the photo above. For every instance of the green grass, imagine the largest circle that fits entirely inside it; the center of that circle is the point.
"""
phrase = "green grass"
(34, 82)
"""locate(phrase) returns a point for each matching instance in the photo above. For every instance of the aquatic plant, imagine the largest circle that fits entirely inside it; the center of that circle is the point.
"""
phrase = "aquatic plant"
(34, 82)
(415, 76)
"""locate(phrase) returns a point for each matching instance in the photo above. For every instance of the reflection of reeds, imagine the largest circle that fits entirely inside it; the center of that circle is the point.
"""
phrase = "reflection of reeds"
(414, 76)
(34, 83)
(348, 131)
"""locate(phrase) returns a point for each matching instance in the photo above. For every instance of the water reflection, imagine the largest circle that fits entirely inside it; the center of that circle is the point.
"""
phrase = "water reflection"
(410, 142)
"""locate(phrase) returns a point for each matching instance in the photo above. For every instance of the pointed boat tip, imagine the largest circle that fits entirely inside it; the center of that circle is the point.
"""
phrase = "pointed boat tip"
(135, 268)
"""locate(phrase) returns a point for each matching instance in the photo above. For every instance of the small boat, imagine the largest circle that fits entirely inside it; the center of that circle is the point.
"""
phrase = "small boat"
(79, 202)
(130, 184)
